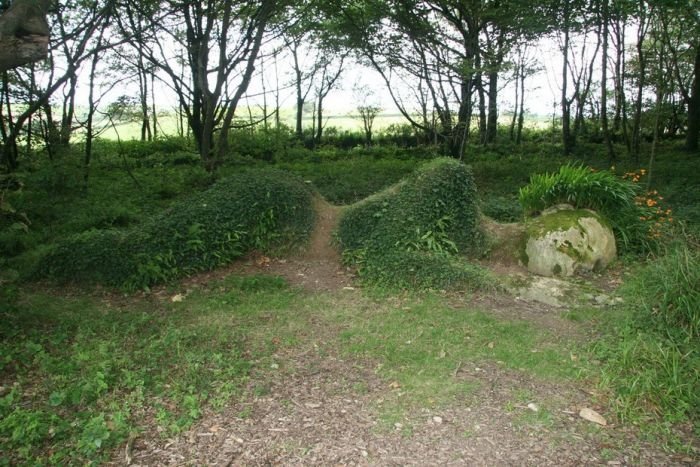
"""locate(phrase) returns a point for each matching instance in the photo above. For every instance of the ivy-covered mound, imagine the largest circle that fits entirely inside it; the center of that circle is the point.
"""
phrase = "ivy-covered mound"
(408, 235)
(258, 209)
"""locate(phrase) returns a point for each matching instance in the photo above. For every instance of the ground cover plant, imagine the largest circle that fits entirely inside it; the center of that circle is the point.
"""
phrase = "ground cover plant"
(253, 210)
(409, 234)
(652, 356)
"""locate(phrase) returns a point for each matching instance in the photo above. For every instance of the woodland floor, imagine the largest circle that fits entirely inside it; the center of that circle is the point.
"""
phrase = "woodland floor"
(321, 408)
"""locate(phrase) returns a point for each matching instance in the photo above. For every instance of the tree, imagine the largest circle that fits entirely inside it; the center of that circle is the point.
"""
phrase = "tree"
(76, 47)
(367, 109)
(219, 42)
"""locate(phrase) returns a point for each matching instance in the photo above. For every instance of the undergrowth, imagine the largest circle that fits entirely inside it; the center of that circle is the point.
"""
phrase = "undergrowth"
(651, 355)
(83, 374)
(408, 236)
(257, 210)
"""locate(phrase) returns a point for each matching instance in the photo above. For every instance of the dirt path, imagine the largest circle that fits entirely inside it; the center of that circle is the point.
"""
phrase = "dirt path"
(317, 268)
(321, 409)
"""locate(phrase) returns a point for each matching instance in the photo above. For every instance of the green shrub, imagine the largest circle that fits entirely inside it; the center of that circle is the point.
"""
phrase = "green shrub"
(259, 209)
(651, 356)
(618, 199)
(94, 256)
(579, 186)
(407, 235)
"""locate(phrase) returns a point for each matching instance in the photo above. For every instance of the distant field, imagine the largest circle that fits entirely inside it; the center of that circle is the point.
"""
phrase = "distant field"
(168, 125)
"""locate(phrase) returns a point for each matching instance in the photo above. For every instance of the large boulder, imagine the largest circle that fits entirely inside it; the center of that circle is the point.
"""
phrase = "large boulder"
(564, 241)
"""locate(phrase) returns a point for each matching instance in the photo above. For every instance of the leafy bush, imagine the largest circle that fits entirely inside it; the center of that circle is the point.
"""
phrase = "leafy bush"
(253, 210)
(651, 357)
(581, 187)
(407, 235)
(635, 219)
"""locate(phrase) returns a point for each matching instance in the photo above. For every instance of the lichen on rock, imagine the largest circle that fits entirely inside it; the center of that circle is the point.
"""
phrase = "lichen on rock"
(566, 241)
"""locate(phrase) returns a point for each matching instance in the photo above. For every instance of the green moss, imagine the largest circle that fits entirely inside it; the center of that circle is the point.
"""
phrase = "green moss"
(561, 221)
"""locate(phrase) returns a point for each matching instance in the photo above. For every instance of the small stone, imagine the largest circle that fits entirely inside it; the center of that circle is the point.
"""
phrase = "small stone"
(592, 416)
(398, 425)
(533, 407)
(177, 298)
(274, 366)
(365, 453)
(602, 299)
(437, 419)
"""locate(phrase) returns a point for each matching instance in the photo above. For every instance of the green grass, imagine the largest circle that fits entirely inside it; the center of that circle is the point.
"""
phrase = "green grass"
(87, 371)
(650, 352)
(422, 342)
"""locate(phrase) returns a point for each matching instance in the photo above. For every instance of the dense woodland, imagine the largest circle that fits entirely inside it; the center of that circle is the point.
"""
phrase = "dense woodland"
(156, 288)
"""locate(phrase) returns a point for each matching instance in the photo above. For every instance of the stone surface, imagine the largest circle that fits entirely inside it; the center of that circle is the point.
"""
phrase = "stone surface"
(565, 241)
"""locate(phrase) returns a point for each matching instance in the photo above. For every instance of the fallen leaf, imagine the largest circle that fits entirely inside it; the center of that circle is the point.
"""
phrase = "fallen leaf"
(592, 416)
(177, 298)
(491, 345)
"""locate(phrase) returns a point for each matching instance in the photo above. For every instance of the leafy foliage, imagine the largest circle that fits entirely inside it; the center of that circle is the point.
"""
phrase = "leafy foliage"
(257, 209)
(579, 186)
(617, 199)
(652, 358)
(407, 235)
(87, 374)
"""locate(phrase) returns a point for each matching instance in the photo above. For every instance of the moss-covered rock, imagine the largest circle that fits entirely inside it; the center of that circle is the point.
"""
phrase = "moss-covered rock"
(566, 241)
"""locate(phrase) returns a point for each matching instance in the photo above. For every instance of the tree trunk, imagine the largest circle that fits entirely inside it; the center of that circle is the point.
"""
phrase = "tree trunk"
(567, 140)
(604, 80)
(514, 120)
(521, 116)
(482, 108)
(66, 130)
(9, 148)
(319, 121)
(691, 139)
(300, 95)
(642, 59)
(492, 123)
